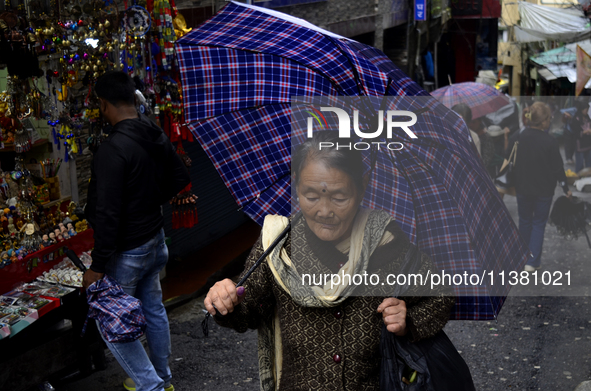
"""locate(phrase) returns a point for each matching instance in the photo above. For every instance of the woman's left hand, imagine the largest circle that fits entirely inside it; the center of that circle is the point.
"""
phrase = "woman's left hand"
(394, 314)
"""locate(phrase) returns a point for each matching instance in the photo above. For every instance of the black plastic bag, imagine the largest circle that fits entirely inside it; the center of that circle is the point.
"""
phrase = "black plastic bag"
(506, 177)
(438, 364)
(572, 218)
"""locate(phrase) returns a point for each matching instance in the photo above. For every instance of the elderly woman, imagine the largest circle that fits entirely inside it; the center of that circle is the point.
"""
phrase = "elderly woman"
(327, 337)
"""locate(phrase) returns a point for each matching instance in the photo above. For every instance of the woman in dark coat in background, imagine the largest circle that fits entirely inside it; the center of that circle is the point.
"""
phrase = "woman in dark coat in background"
(537, 169)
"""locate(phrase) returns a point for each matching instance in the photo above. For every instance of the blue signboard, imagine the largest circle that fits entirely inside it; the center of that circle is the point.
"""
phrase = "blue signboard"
(420, 10)
(282, 3)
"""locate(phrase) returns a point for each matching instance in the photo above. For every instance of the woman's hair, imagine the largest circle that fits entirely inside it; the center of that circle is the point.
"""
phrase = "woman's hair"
(350, 161)
(464, 111)
(537, 114)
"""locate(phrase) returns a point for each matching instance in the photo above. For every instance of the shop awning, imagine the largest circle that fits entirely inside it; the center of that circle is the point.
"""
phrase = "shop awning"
(546, 74)
(585, 45)
(560, 62)
(539, 23)
(556, 71)
(555, 56)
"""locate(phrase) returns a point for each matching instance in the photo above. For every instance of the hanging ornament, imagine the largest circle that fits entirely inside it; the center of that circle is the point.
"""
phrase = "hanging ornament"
(136, 21)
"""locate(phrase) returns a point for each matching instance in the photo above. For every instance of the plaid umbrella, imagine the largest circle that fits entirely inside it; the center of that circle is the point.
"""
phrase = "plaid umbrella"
(240, 70)
(119, 315)
(482, 99)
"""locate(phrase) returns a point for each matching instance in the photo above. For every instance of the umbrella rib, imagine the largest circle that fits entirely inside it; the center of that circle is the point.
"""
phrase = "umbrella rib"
(355, 73)
(408, 182)
(390, 156)
(431, 143)
(336, 86)
(236, 111)
(432, 174)
(247, 203)
(428, 169)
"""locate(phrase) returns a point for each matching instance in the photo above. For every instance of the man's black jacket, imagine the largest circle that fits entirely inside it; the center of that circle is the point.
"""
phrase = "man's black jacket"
(134, 172)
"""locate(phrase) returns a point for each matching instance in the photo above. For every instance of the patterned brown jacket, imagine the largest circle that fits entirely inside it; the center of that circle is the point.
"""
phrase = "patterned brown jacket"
(335, 348)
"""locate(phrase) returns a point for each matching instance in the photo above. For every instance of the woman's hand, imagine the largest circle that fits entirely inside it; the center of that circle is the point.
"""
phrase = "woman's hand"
(394, 314)
(224, 296)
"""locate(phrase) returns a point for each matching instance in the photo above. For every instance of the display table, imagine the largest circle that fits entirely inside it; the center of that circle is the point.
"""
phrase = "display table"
(53, 343)
(33, 265)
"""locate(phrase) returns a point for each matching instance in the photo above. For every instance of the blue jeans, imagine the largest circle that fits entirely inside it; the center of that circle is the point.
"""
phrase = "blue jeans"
(533, 214)
(137, 271)
(582, 160)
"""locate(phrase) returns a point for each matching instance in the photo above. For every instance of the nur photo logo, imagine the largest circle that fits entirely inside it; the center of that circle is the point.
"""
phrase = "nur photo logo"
(381, 128)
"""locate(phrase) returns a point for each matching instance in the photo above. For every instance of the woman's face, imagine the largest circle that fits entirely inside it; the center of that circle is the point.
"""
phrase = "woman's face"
(328, 199)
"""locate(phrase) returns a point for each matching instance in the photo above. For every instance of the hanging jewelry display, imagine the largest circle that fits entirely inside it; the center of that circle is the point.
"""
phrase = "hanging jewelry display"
(163, 15)
(55, 52)
(184, 205)
(22, 141)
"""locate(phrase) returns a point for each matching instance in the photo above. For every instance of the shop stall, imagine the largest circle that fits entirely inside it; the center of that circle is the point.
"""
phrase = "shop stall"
(51, 54)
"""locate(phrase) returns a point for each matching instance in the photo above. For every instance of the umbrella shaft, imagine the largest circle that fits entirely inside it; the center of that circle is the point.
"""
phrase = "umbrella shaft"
(265, 254)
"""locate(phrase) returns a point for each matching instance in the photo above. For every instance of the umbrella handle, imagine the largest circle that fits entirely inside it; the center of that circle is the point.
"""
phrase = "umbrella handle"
(205, 322)
(265, 254)
(75, 260)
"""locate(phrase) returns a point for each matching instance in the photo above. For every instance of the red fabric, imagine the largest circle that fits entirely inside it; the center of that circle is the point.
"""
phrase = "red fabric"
(173, 9)
(186, 189)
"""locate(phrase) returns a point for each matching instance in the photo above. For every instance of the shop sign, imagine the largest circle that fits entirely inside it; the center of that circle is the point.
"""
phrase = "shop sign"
(420, 10)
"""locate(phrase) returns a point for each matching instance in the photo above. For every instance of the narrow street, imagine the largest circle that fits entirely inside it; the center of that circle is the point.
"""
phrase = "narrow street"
(538, 343)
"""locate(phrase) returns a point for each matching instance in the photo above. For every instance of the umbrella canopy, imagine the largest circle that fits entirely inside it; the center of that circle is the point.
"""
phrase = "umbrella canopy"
(240, 70)
(482, 99)
(119, 315)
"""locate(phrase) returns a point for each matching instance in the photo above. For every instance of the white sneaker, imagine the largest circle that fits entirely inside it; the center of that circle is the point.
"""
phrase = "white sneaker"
(531, 269)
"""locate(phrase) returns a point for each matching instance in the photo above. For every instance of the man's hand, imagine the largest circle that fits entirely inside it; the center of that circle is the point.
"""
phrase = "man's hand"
(394, 314)
(89, 277)
(569, 195)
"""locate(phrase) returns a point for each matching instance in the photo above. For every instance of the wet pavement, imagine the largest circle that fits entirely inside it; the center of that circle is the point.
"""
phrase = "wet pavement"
(537, 343)
(190, 274)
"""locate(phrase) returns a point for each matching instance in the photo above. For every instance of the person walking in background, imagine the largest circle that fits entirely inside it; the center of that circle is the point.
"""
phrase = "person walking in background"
(580, 126)
(570, 140)
(537, 169)
(487, 145)
(466, 113)
(135, 170)
(500, 141)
